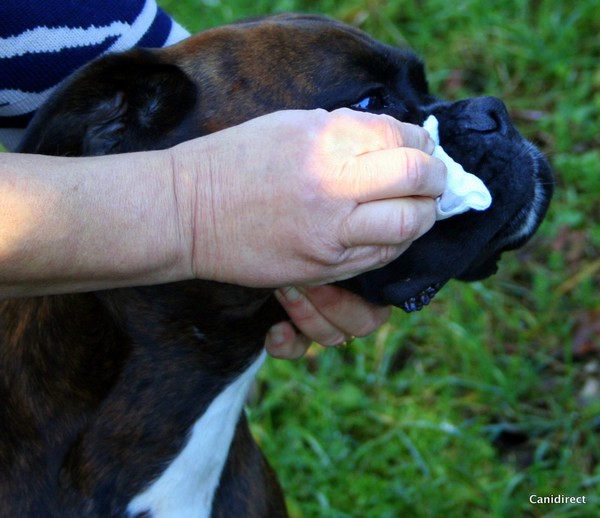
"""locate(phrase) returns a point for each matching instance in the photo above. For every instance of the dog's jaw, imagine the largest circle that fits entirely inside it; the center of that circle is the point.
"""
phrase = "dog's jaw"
(528, 219)
(524, 222)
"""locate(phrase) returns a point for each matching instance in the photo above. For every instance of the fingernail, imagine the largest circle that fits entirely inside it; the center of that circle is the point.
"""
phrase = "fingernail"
(292, 294)
(276, 335)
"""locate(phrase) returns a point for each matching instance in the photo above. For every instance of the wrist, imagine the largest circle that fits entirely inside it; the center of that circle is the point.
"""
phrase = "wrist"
(80, 224)
(190, 174)
(132, 224)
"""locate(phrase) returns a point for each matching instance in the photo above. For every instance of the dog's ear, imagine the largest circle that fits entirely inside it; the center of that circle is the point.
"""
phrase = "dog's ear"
(119, 103)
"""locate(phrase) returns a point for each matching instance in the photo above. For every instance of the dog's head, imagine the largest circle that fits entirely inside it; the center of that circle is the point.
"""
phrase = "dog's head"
(152, 99)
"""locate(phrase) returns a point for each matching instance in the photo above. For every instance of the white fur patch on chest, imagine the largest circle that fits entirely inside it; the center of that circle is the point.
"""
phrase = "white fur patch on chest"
(187, 486)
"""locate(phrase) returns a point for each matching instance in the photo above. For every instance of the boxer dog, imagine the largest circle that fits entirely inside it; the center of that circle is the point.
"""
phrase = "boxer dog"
(128, 403)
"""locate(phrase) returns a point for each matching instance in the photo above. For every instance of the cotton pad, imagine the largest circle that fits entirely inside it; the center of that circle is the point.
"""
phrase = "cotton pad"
(464, 190)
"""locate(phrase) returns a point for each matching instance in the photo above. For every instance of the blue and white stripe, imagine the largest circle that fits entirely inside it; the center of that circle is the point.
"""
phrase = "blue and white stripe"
(41, 43)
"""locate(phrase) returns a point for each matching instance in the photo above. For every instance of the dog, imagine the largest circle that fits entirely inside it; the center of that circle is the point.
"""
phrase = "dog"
(128, 402)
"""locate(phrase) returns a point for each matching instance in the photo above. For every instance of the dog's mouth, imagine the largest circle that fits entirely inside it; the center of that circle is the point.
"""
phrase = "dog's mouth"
(521, 226)
(528, 218)
(468, 246)
(513, 235)
(421, 299)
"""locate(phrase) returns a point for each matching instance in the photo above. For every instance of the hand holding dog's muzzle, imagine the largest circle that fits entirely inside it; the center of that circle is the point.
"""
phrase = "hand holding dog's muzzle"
(343, 193)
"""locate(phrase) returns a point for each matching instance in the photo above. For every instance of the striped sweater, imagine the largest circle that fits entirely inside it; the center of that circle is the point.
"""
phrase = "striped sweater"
(44, 41)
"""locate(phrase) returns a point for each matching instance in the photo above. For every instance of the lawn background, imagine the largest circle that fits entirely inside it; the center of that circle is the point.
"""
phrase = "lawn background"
(492, 393)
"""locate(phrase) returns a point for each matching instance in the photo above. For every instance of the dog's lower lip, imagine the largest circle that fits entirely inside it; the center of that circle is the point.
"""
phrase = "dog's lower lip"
(422, 298)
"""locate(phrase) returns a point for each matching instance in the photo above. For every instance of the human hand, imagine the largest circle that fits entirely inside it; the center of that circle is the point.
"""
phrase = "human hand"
(304, 197)
(325, 314)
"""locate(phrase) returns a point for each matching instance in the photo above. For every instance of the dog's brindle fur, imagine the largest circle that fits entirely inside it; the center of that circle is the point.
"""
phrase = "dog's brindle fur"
(99, 391)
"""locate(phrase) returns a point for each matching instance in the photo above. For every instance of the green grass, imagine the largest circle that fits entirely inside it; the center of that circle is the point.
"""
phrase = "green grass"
(489, 395)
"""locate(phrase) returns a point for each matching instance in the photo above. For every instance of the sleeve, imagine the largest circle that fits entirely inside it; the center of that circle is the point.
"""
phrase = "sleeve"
(43, 42)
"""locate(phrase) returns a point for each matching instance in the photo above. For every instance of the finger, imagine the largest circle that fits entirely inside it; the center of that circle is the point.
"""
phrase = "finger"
(380, 131)
(388, 222)
(284, 342)
(395, 173)
(329, 315)
(402, 134)
(346, 311)
(307, 318)
(360, 259)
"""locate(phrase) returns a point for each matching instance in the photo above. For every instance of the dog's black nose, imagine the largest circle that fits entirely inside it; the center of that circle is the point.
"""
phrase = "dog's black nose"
(486, 115)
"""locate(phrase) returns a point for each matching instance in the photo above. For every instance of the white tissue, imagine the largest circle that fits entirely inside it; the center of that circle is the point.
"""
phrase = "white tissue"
(464, 190)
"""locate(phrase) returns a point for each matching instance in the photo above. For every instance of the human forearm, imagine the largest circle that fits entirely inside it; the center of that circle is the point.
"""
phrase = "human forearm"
(307, 197)
(70, 224)
(337, 195)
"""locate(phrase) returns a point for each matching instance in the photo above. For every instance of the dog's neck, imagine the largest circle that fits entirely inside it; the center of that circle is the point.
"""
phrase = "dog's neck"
(113, 395)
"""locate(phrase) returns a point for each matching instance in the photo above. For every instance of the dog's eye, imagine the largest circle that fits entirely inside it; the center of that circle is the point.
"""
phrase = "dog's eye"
(371, 103)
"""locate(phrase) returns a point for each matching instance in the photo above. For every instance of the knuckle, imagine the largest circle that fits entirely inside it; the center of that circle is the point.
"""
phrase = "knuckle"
(409, 222)
(335, 255)
(402, 134)
(345, 232)
(424, 140)
(386, 254)
(441, 172)
(393, 132)
(414, 176)
(389, 129)
(327, 262)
